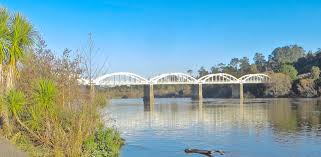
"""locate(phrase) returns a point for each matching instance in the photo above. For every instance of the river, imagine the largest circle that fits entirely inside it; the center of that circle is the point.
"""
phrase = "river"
(254, 127)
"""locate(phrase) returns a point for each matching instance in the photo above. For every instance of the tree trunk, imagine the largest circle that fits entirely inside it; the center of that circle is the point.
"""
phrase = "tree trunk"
(10, 78)
(92, 92)
(4, 112)
(1, 79)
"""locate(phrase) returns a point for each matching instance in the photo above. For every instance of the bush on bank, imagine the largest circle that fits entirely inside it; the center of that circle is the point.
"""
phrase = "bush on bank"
(44, 111)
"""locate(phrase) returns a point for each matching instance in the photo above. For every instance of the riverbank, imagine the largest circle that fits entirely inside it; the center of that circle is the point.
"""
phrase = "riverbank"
(43, 109)
(284, 89)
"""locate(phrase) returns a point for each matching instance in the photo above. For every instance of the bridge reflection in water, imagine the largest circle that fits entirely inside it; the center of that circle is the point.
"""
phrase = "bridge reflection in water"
(282, 127)
(217, 113)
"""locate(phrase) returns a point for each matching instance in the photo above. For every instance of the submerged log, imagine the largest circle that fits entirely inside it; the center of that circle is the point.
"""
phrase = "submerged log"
(208, 153)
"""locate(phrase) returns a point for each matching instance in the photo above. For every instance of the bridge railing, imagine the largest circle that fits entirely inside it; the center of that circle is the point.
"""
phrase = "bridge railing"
(126, 78)
(219, 78)
(173, 78)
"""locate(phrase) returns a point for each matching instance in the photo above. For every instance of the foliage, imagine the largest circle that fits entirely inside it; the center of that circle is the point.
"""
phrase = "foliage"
(100, 99)
(289, 70)
(253, 69)
(287, 54)
(190, 72)
(202, 72)
(315, 72)
(104, 143)
(280, 85)
(318, 85)
(304, 64)
(244, 66)
(260, 62)
(4, 34)
(58, 129)
(306, 88)
(45, 93)
(34, 108)
(20, 39)
(15, 100)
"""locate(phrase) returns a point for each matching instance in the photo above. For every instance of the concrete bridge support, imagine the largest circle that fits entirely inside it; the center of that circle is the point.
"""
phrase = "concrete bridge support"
(197, 92)
(149, 94)
(237, 91)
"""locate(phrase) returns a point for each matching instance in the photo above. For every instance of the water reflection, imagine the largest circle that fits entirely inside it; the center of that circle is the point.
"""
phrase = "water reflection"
(280, 124)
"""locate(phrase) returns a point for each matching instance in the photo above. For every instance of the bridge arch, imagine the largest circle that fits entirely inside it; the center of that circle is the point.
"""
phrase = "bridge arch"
(173, 78)
(255, 78)
(119, 79)
(218, 78)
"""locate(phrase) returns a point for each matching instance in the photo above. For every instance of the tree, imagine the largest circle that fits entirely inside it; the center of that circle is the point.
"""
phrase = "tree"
(20, 39)
(202, 72)
(215, 69)
(221, 67)
(289, 70)
(306, 88)
(260, 62)
(234, 63)
(244, 65)
(280, 85)
(91, 67)
(190, 72)
(233, 67)
(287, 54)
(4, 34)
(253, 69)
(315, 72)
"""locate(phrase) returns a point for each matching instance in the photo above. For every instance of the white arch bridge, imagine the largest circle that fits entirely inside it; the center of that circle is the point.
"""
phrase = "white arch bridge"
(128, 79)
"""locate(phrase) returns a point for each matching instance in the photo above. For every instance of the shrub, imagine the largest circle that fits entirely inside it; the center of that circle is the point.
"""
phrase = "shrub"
(100, 99)
(306, 88)
(280, 85)
(315, 72)
(289, 70)
(104, 143)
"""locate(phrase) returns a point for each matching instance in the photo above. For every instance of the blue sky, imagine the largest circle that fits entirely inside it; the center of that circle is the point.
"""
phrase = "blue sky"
(148, 37)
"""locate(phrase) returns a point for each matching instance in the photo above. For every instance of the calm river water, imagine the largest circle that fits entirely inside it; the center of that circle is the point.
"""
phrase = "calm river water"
(256, 127)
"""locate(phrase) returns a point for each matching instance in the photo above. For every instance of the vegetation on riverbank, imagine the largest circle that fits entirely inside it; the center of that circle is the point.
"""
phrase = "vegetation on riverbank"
(294, 72)
(43, 109)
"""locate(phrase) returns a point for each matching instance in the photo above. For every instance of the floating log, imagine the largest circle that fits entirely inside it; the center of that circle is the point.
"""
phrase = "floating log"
(208, 153)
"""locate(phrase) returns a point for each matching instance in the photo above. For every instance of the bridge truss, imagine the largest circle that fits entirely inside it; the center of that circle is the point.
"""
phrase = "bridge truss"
(128, 79)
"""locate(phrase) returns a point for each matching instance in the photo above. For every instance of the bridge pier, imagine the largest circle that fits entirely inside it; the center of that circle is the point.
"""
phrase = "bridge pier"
(237, 91)
(197, 91)
(148, 94)
(148, 105)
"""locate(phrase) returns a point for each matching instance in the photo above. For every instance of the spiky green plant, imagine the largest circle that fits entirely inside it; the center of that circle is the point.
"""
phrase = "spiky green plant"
(4, 34)
(20, 38)
(43, 111)
(15, 100)
(45, 93)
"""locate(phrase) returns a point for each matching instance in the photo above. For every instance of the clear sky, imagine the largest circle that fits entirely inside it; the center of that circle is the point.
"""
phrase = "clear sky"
(148, 37)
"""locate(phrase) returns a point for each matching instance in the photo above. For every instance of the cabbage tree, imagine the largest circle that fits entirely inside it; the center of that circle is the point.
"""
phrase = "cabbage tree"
(4, 34)
(20, 39)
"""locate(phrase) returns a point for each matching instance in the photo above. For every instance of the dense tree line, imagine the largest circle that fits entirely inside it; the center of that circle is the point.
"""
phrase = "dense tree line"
(294, 71)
